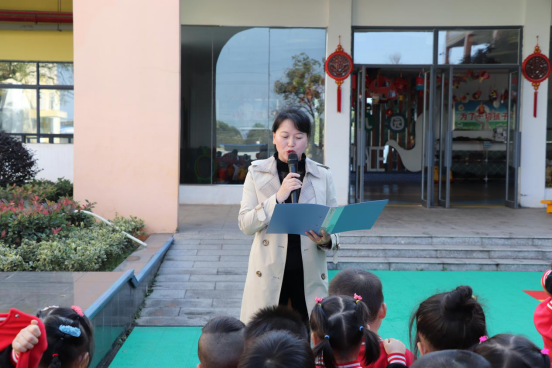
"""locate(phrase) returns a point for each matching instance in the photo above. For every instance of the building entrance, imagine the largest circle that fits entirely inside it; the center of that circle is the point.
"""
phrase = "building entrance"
(436, 136)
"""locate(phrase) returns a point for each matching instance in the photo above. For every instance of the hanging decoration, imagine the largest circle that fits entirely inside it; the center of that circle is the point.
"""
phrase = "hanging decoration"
(483, 75)
(477, 94)
(420, 84)
(384, 87)
(400, 83)
(536, 69)
(338, 66)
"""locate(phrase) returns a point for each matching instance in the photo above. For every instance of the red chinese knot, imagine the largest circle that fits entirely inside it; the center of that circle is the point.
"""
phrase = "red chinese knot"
(339, 66)
(536, 69)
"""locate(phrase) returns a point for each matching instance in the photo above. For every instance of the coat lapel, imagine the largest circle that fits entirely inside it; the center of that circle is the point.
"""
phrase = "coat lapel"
(308, 195)
(268, 183)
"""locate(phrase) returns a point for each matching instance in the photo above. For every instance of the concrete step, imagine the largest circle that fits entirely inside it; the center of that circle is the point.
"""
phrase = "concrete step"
(439, 264)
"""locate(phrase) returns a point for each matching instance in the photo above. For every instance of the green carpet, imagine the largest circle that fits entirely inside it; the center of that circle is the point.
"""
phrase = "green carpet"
(507, 307)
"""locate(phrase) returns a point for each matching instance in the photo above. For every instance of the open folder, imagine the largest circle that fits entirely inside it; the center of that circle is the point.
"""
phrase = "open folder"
(298, 218)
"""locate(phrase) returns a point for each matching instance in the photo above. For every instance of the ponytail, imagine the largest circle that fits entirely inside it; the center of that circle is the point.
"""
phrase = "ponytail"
(324, 347)
(371, 339)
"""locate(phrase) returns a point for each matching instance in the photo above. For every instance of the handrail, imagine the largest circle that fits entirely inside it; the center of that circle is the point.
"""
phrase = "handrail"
(110, 224)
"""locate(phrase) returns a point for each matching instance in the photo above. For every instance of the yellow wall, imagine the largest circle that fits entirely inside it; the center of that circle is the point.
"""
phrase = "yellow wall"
(36, 45)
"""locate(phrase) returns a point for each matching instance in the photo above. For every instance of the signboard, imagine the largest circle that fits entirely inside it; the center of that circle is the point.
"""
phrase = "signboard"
(475, 115)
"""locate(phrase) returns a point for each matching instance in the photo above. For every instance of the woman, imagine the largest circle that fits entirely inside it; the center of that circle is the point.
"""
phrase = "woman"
(285, 268)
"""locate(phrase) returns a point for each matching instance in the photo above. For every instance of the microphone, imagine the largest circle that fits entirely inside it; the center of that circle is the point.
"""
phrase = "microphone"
(292, 164)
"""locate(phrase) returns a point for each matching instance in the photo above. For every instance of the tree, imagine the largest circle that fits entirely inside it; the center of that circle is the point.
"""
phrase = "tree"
(17, 164)
(303, 85)
(227, 134)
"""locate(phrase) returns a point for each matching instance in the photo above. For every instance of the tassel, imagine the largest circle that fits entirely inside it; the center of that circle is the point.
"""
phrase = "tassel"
(339, 97)
(535, 105)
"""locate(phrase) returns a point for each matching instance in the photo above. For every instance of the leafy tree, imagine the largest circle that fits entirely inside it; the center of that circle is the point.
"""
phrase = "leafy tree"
(260, 133)
(228, 134)
(17, 164)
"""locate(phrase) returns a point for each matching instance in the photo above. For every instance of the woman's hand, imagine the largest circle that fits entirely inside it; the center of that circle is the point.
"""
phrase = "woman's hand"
(394, 346)
(323, 240)
(27, 338)
(289, 184)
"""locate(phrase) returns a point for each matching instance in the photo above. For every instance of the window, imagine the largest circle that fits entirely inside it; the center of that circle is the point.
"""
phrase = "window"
(393, 47)
(548, 169)
(234, 81)
(37, 109)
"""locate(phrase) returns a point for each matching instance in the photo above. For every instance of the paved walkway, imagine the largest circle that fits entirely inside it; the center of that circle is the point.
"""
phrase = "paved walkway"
(203, 273)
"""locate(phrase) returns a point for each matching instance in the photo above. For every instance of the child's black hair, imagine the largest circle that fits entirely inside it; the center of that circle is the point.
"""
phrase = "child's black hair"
(278, 349)
(351, 281)
(451, 359)
(274, 318)
(452, 320)
(64, 350)
(340, 323)
(221, 343)
(512, 351)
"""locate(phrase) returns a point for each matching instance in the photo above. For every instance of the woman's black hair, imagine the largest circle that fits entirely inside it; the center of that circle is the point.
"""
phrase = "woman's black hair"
(64, 349)
(278, 349)
(351, 281)
(340, 323)
(299, 117)
(451, 359)
(452, 320)
(512, 351)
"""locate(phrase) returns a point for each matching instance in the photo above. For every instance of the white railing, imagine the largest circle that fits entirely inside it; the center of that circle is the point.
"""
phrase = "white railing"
(110, 224)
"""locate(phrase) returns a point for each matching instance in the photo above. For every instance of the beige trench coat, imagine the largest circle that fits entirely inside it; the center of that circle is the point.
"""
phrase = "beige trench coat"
(268, 251)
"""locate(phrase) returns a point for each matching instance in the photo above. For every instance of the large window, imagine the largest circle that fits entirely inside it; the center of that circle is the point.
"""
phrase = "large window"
(234, 81)
(36, 101)
(549, 135)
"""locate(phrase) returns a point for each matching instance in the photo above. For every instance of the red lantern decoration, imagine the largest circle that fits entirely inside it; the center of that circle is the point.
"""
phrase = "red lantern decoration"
(338, 66)
(536, 69)
(400, 83)
(384, 87)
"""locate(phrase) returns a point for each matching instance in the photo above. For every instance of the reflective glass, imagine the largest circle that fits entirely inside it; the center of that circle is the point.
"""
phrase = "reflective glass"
(241, 101)
(297, 80)
(56, 74)
(393, 47)
(56, 111)
(488, 46)
(18, 110)
(12, 72)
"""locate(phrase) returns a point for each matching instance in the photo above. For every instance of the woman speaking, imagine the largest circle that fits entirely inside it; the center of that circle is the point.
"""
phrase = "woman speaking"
(285, 269)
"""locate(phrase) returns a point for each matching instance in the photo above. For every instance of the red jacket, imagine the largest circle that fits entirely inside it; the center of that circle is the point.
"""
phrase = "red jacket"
(543, 317)
(382, 360)
(10, 325)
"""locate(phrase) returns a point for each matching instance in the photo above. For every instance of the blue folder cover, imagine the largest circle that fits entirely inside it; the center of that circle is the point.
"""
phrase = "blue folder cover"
(298, 218)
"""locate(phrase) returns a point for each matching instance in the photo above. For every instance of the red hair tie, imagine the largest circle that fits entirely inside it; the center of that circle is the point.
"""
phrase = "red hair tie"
(77, 310)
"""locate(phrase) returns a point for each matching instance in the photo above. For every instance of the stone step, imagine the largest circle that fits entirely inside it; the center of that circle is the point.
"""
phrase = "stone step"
(439, 264)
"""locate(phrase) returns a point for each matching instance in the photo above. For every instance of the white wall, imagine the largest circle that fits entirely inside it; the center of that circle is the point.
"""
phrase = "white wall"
(423, 13)
(537, 19)
(262, 13)
(55, 160)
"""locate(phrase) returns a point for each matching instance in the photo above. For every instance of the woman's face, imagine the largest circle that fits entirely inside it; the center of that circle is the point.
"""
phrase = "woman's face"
(288, 139)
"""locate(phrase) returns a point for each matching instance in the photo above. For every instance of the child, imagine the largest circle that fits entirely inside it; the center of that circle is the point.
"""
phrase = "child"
(278, 349)
(453, 320)
(338, 326)
(451, 359)
(543, 313)
(70, 341)
(221, 343)
(365, 283)
(512, 351)
(275, 318)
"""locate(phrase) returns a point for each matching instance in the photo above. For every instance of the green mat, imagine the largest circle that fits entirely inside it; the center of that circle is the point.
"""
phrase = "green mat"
(507, 307)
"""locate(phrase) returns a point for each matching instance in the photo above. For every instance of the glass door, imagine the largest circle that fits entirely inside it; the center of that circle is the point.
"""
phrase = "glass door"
(359, 160)
(513, 143)
(427, 140)
(443, 122)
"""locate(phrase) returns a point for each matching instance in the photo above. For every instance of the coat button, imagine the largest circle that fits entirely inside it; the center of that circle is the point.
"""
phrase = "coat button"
(259, 273)
(265, 242)
(323, 276)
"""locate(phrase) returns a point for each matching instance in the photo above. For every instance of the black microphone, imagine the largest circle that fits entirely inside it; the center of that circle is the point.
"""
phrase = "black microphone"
(292, 164)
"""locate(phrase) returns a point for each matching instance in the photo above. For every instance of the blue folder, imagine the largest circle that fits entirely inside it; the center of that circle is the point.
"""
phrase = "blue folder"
(298, 218)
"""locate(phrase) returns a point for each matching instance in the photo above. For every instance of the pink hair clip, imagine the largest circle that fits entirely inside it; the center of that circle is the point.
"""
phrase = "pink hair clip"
(482, 339)
(358, 298)
(545, 351)
(319, 300)
(77, 310)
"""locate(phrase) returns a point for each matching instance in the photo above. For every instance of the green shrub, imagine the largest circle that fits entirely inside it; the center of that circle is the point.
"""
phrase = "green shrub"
(10, 260)
(133, 225)
(45, 190)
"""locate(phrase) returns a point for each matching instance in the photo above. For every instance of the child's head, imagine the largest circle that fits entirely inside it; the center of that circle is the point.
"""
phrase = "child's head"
(351, 281)
(453, 320)
(451, 359)
(278, 349)
(338, 326)
(70, 338)
(275, 318)
(221, 343)
(512, 351)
